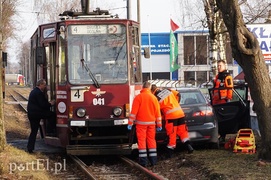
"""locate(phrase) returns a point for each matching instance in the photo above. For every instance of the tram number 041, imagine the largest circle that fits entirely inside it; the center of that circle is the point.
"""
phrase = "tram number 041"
(98, 101)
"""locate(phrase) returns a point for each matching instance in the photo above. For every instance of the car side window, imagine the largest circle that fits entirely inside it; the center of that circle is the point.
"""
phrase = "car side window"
(241, 93)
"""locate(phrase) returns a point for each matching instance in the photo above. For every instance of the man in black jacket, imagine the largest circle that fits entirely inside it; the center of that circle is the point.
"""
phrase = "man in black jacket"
(38, 108)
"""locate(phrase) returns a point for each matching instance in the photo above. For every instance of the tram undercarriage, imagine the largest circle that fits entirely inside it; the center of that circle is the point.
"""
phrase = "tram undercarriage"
(100, 141)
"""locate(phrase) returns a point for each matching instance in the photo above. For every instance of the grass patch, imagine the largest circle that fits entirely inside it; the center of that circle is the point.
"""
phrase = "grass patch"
(17, 164)
(232, 165)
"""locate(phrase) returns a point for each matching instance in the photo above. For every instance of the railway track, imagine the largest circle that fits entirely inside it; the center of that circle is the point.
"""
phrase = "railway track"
(121, 168)
(117, 168)
(18, 98)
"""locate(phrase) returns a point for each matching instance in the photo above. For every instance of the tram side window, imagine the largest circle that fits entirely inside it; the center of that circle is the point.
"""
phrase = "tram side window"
(135, 35)
(136, 75)
(137, 65)
(61, 61)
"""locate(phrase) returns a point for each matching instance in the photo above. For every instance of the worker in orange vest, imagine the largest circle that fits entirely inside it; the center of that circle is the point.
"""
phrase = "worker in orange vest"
(176, 94)
(146, 115)
(224, 82)
(174, 116)
(222, 93)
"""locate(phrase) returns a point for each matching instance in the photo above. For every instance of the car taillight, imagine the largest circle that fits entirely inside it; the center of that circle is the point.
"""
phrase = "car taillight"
(203, 113)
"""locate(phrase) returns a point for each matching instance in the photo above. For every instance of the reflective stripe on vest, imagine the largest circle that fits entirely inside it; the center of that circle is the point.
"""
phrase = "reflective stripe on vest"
(163, 94)
(173, 110)
(144, 122)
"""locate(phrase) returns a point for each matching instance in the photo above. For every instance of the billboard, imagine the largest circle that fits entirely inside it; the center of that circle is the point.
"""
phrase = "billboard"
(263, 33)
(159, 42)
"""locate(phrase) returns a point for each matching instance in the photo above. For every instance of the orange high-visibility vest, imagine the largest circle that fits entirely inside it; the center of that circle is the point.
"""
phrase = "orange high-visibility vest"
(176, 94)
(169, 105)
(223, 81)
(145, 109)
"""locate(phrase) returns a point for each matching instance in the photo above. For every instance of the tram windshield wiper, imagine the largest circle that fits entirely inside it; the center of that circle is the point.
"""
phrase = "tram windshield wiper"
(90, 74)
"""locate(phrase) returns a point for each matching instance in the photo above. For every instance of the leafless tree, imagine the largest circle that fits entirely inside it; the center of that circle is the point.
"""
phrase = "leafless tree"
(255, 11)
(24, 55)
(217, 34)
(8, 28)
(49, 10)
(46, 11)
(246, 51)
(7, 11)
(190, 15)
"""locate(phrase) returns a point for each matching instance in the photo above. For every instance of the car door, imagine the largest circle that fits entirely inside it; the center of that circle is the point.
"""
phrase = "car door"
(233, 115)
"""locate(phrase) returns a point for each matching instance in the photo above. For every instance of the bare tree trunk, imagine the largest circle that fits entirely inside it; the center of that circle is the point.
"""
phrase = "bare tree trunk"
(2, 128)
(211, 21)
(247, 53)
(216, 31)
(222, 46)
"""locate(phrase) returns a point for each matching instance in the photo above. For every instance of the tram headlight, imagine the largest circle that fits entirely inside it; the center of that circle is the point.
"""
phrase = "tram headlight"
(117, 111)
(81, 112)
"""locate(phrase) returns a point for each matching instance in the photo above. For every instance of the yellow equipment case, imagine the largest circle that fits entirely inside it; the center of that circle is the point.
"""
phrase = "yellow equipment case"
(245, 142)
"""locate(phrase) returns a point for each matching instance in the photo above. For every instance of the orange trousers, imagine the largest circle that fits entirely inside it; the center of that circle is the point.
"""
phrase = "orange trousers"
(176, 127)
(146, 140)
(146, 136)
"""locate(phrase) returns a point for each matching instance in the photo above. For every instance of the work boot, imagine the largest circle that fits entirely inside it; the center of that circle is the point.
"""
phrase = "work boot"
(143, 161)
(170, 152)
(153, 160)
(188, 147)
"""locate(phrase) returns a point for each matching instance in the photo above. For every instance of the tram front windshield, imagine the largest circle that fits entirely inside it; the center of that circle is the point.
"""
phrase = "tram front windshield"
(97, 53)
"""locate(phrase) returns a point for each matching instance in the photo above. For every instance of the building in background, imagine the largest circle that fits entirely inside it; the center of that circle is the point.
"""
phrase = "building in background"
(157, 66)
(193, 57)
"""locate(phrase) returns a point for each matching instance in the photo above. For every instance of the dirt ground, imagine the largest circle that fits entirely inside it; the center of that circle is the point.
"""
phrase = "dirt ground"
(203, 164)
(17, 130)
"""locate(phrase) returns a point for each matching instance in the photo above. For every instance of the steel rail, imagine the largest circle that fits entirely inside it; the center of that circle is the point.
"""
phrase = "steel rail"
(142, 169)
(83, 167)
(22, 105)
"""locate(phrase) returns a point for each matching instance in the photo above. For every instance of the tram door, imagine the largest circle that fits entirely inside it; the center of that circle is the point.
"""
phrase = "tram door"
(51, 70)
(50, 77)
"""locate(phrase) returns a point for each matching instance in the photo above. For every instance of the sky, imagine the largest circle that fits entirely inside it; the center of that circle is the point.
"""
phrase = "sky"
(26, 24)
(154, 16)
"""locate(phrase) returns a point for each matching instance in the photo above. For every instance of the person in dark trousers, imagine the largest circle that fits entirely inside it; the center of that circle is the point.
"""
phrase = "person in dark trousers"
(223, 85)
(38, 108)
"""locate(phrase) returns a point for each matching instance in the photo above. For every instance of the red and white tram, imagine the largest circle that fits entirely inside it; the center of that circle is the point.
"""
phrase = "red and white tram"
(92, 64)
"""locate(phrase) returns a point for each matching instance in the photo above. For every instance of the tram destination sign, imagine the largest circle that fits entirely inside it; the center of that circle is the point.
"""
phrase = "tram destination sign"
(95, 29)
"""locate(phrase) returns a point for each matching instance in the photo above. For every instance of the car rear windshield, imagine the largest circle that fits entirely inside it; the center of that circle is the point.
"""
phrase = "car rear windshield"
(192, 97)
